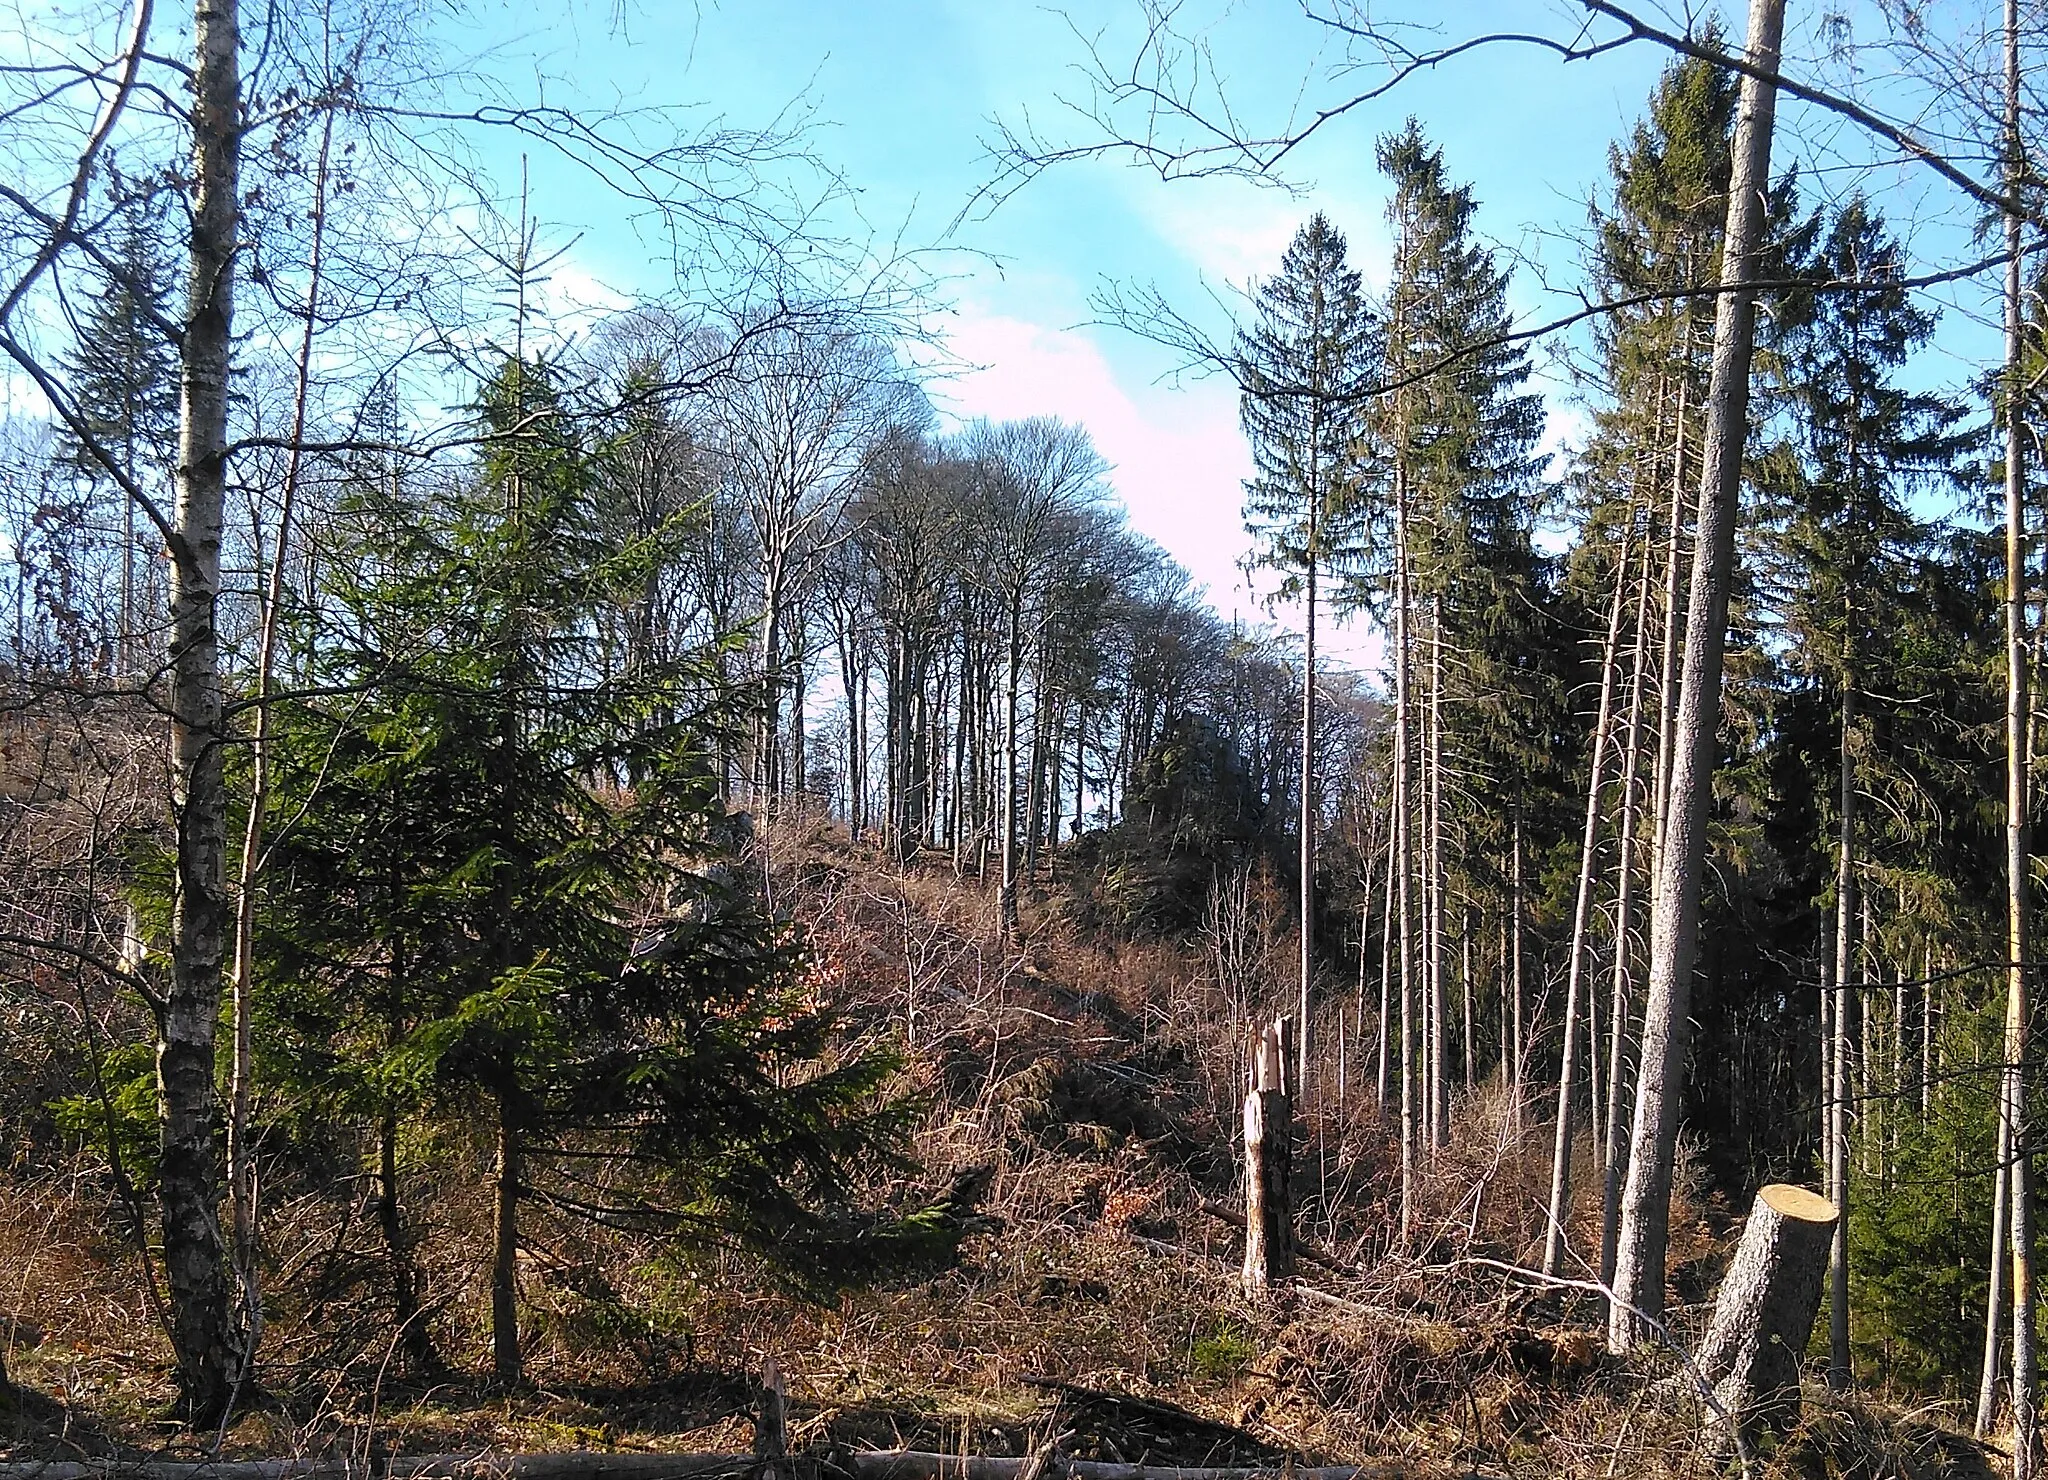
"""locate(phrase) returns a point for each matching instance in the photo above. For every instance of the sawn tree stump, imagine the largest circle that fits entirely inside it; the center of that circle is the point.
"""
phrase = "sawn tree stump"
(1765, 1314)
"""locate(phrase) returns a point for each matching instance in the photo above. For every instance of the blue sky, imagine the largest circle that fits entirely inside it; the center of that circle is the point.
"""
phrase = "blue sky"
(901, 93)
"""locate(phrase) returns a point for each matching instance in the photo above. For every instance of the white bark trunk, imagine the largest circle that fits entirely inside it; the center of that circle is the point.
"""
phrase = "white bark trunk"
(203, 1331)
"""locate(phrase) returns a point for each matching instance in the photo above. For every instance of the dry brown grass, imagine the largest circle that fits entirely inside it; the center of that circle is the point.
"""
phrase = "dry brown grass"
(1099, 1084)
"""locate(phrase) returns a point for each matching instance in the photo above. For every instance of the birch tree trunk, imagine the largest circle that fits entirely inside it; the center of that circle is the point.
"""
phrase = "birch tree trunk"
(1646, 1197)
(203, 1331)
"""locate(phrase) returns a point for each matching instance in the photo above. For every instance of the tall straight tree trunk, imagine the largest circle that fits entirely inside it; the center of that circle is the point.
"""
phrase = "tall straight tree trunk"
(203, 1331)
(1308, 815)
(1505, 1016)
(1387, 943)
(1994, 1299)
(768, 726)
(1439, 1055)
(1404, 833)
(1667, 679)
(1520, 990)
(1927, 1022)
(1012, 680)
(1465, 982)
(506, 1366)
(1845, 1004)
(1616, 1158)
(2018, 1005)
(1034, 785)
(241, 1093)
(1675, 908)
(1582, 913)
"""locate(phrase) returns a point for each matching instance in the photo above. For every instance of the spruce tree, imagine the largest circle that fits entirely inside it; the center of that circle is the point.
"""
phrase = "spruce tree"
(1456, 432)
(499, 885)
(123, 374)
(1304, 367)
(1849, 544)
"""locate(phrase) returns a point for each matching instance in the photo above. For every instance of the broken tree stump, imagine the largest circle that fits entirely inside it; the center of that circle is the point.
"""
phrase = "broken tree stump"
(1764, 1315)
(1268, 1164)
(771, 1421)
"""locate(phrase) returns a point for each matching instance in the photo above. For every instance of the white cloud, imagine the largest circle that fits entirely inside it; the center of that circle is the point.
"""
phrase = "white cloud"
(1179, 461)
(1234, 232)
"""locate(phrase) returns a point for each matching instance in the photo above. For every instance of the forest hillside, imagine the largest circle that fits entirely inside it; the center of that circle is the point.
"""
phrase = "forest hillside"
(626, 883)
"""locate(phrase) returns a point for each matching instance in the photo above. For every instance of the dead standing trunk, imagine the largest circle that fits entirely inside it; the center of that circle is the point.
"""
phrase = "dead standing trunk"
(203, 1332)
(1268, 1164)
(1646, 1198)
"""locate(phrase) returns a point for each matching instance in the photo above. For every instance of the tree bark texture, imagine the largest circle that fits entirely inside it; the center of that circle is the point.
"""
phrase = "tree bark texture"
(506, 1365)
(1646, 1197)
(1268, 1164)
(2019, 1004)
(203, 1332)
(1308, 814)
(1765, 1313)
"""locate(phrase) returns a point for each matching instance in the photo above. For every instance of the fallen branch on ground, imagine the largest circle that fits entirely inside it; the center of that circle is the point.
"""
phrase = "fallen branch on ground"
(887, 1464)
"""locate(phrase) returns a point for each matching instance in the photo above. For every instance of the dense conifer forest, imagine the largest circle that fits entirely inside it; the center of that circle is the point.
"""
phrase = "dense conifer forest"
(632, 891)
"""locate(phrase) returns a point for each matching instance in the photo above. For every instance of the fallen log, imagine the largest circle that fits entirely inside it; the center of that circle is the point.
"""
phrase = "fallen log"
(885, 1464)
(910, 1464)
(1303, 1249)
(574, 1464)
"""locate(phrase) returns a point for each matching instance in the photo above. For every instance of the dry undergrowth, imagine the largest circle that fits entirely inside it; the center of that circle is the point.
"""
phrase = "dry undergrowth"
(1097, 1086)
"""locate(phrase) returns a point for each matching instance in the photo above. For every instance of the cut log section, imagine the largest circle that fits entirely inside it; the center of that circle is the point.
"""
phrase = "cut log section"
(1268, 1165)
(1764, 1315)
